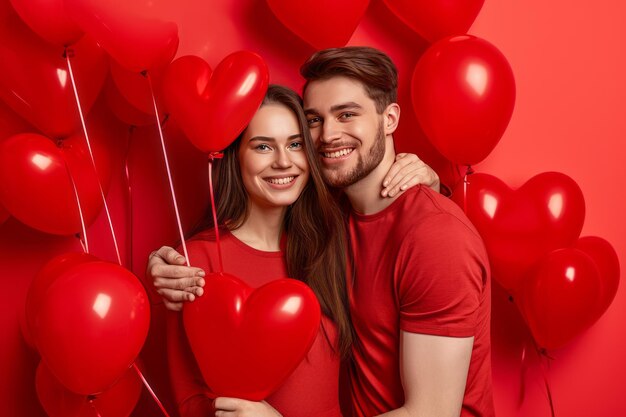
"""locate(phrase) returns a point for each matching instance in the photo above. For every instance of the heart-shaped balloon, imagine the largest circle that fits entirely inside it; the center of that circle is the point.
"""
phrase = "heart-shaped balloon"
(49, 19)
(520, 227)
(463, 93)
(58, 401)
(560, 298)
(35, 80)
(436, 19)
(35, 186)
(247, 341)
(214, 108)
(604, 256)
(121, 27)
(91, 325)
(322, 23)
(135, 87)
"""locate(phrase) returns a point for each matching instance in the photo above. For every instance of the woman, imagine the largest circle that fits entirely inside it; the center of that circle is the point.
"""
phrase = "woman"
(280, 220)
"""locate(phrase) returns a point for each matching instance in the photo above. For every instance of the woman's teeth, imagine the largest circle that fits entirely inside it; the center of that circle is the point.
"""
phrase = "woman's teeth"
(285, 180)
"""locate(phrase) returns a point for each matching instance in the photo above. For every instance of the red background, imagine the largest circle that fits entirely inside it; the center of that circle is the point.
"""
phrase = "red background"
(568, 58)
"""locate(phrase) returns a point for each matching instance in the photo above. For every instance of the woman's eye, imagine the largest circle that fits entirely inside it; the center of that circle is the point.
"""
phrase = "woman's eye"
(296, 145)
(263, 147)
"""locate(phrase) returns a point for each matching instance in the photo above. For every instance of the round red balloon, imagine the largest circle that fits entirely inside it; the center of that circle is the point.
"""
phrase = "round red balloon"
(49, 19)
(520, 227)
(214, 108)
(559, 299)
(50, 272)
(436, 19)
(35, 80)
(36, 189)
(463, 94)
(122, 29)
(58, 401)
(263, 333)
(92, 325)
(330, 26)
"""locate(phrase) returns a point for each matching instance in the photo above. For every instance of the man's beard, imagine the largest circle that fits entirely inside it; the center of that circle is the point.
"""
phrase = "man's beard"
(339, 178)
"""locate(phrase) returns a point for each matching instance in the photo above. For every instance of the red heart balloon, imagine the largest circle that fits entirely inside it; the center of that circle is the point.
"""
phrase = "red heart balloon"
(135, 87)
(607, 261)
(35, 81)
(91, 325)
(42, 281)
(463, 93)
(214, 108)
(58, 401)
(520, 227)
(436, 19)
(330, 25)
(49, 19)
(247, 341)
(121, 28)
(559, 300)
(123, 110)
(35, 186)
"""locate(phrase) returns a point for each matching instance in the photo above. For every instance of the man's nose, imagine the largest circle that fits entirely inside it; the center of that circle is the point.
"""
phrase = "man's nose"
(330, 131)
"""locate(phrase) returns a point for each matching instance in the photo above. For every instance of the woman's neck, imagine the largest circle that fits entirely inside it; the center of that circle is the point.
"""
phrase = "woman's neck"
(263, 228)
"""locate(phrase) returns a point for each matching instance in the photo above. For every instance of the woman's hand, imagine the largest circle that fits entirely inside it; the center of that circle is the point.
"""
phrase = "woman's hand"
(174, 281)
(235, 407)
(406, 172)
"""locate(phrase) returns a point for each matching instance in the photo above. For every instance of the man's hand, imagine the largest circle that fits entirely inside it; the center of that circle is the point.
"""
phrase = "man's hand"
(234, 407)
(174, 281)
(406, 172)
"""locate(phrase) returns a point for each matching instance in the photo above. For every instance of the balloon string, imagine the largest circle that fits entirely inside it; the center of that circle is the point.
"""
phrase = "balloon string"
(469, 171)
(544, 373)
(523, 369)
(129, 199)
(167, 167)
(70, 53)
(212, 156)
(156, 399)
(84, 242)
(95, 410)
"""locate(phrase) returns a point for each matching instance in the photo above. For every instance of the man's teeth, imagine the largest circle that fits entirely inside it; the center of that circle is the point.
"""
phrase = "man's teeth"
(337, 154)
(285, 180)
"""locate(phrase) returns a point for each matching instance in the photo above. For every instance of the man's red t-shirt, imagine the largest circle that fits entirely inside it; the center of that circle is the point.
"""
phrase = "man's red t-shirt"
(421, 267)
(311, 390)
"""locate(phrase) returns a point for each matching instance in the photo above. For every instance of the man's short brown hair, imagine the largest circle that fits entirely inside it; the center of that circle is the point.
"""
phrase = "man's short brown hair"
(373, 68)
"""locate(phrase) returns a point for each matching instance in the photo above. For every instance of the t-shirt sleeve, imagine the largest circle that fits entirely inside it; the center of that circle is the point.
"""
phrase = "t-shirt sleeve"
(442, 271)
(190, 391)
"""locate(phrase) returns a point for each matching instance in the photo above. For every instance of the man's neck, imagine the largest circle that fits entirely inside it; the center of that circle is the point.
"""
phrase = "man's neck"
(364, 195)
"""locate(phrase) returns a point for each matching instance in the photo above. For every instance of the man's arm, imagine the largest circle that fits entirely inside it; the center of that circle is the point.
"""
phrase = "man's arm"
(434, 372)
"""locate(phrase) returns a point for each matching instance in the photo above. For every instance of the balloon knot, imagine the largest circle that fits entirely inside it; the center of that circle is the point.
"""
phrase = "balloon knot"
(215, 155)
(68, 53)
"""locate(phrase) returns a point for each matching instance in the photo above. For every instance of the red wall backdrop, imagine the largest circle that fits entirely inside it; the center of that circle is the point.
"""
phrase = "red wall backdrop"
(568, 58)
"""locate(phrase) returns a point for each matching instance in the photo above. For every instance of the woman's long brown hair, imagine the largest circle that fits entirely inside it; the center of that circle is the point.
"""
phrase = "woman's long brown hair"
(316, 243)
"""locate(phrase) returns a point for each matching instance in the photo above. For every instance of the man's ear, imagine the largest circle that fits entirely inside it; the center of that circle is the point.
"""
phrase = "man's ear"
(391, 118)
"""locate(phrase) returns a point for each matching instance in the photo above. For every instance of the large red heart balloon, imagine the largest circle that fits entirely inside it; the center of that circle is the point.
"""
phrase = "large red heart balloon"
(35, 81)
(214, 108)
(321, 23)
(52, 270)
(436, 19)
(35, 186)
(520, 227)
(560, 298)
(123, 30)
(91, 325)
(49, 19)
(58, 401)
(246, 341)
(463, 94)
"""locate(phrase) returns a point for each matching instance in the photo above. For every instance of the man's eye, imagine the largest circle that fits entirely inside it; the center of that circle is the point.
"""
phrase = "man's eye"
(313, 121)
(346, 115)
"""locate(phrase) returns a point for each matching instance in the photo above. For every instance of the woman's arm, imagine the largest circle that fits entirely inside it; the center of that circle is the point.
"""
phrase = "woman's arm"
(406, 172)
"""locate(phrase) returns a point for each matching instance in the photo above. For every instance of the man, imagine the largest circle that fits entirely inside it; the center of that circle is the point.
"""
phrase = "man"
(420, 296)
(420, 288)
